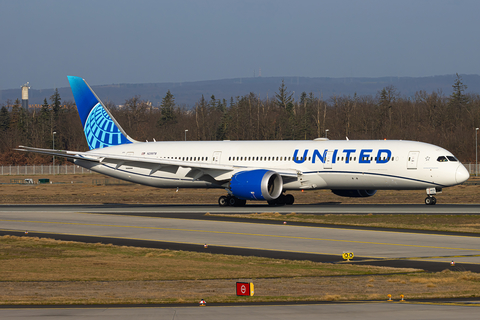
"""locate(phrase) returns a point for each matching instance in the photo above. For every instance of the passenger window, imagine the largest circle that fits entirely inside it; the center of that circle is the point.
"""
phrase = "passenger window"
(442, 159)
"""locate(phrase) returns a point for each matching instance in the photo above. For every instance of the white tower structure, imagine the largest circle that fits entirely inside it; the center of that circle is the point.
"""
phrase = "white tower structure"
(25, 88)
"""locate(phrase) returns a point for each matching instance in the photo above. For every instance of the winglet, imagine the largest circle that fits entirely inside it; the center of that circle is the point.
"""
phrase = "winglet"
(100, 128)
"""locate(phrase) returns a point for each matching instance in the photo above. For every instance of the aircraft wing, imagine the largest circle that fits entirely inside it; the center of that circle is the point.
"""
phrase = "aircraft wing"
(219, 172)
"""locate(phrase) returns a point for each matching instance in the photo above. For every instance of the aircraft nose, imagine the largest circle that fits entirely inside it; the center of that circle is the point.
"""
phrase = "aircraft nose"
(462, 174)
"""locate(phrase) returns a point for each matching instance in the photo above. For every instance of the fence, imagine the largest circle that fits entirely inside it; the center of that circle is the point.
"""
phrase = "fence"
(72, 169)
(42, 169)
(471, 168)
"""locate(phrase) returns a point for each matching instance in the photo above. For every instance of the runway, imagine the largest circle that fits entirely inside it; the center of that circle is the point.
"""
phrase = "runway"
(341, 311)
(321, 208)
(187, 227)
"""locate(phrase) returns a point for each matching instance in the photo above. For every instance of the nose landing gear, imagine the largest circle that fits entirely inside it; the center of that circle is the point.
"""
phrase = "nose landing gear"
(430, 199)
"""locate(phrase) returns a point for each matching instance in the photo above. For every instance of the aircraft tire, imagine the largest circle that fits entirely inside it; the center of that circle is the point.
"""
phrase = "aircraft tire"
(232, 201)
(289, 199)
(222, 201)
(235, 202)
(430, 201)
(241, 202)
(280, 201)
(271, 202)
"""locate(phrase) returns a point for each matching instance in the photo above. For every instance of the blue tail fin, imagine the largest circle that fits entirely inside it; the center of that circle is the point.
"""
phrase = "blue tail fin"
(101, 129)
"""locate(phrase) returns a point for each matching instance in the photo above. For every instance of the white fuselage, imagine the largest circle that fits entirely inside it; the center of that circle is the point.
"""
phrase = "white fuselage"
(320, 164)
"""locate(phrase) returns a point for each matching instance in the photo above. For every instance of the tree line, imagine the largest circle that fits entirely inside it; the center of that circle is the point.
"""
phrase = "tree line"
(448, 121)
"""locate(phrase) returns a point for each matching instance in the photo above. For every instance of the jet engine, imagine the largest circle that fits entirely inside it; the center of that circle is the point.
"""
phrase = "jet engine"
(257, 185)
(354, 193)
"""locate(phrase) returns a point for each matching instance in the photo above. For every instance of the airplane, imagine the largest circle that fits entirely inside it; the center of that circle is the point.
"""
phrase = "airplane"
(258, 170)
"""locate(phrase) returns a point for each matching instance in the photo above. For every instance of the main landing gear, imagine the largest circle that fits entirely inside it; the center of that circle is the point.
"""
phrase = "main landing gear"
(232, 201)
(284, 199)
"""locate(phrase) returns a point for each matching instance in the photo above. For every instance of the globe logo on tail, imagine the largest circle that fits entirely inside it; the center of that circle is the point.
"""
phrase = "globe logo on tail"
(101, 131)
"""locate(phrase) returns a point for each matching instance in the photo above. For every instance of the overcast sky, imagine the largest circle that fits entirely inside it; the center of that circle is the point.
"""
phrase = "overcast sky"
(147, 41)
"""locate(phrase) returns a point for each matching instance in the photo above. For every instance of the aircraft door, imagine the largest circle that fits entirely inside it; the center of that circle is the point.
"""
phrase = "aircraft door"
(216, 156)
(413, 159)
(328, 160)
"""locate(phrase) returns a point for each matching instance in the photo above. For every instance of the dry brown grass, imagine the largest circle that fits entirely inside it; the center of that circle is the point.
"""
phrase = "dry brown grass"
(79, 189)
(44, 271)
(31, 259)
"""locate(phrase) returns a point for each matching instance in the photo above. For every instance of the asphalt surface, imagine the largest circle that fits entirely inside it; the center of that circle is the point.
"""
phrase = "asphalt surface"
(188, 228)
(340, 311)
(322, 208)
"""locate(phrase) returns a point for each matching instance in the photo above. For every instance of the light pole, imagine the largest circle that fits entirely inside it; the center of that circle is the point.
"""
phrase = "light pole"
(326, 133)
(53, 147)
(476, 152)
(186, 134)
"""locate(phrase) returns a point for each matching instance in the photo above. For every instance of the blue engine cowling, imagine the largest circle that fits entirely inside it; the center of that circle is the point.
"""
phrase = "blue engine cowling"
(354, 193)
(257, 185)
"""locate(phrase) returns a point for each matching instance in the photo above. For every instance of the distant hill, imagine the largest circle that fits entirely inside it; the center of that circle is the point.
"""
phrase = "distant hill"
(188, 93)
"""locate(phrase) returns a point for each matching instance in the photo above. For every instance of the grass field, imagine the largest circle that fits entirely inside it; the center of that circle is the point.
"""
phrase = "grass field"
(44, 271)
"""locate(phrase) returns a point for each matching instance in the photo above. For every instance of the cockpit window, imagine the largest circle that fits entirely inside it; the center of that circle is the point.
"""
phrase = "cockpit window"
(442, 159)
(452, 158)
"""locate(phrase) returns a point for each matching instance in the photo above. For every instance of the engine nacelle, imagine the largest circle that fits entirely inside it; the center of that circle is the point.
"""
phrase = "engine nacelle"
(257, 185)
(354, 193)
